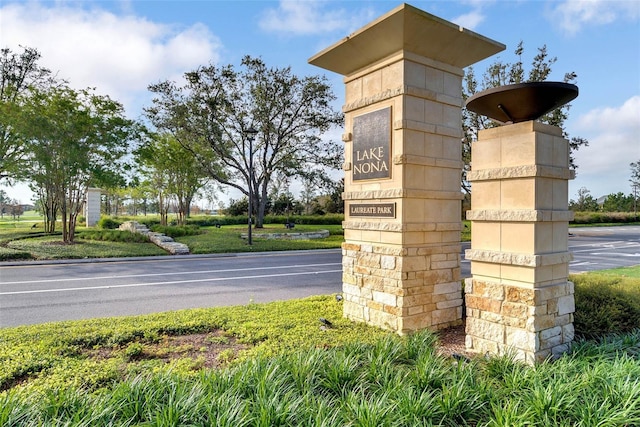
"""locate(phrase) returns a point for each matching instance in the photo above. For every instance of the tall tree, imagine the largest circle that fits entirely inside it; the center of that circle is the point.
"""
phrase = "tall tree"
(635, 183)
(585, 201)
(19, 73)
(174, 170)
(501, 73)
(210, 114)
(76, 139)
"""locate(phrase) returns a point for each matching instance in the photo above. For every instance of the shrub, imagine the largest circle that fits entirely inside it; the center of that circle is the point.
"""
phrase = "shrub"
(176, 230)
(108, 223)
(605, 305)
(113, 236)
(7, 254)
(604, 217)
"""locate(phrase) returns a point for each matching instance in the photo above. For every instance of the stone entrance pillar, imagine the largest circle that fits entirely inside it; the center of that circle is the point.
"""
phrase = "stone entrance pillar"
(519, 299)
(401, 256)
(92, 207)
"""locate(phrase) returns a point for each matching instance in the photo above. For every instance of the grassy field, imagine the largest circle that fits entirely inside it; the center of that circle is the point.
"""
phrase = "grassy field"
(18, 240)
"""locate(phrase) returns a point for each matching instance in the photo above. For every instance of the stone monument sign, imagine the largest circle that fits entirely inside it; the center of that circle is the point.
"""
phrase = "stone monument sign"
(403, 101)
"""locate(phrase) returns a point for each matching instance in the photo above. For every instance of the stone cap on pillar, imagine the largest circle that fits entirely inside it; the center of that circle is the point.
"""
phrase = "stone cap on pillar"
(409, 29)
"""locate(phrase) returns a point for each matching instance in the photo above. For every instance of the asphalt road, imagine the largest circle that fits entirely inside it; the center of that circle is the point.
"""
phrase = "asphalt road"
(33, 293)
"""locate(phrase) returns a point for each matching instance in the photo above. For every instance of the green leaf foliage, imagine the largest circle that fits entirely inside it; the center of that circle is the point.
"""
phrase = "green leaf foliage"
(606, 304)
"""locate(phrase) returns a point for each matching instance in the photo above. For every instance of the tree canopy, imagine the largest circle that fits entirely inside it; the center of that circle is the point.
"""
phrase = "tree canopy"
(19, 73)
(210, 114)
(501, 73)
(75, 139)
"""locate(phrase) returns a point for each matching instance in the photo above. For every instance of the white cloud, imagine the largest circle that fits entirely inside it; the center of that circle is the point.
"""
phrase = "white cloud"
(614, 142)
(470, 20)
(573, 15)
(119, 55)
(310, 17)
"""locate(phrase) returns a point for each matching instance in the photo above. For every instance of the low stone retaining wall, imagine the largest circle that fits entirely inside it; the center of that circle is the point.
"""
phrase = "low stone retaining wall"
(320, 234)
(159, 239)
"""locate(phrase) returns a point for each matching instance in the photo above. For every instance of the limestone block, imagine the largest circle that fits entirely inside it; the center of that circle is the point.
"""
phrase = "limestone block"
(490, 316)
(490, 290)
(452, 84)
(486, 154)
(441, 318)
(566, 305)
(372, 84)
(549, 333)
(414, 109)
(441, 265)
(384, 298)
(560, 156)
(414, 310)
(568, 332)
(522, 340)
(449, 304)
(447, 288)
(392, 75)
(541, 322)
(415, 300)
(353, 311)
(559, 350)
(414, 323)
(518, 193)
(393, 310)
(515, 310)
(384, 320)
(517, 237)
(520, 295)
(543, 149)
(486, 330)
(415, 74)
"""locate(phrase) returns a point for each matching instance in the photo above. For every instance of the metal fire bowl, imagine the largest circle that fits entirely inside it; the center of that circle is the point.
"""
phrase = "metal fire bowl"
(521, 102)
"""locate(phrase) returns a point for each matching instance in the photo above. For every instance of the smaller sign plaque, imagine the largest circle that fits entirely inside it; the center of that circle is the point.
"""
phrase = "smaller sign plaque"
(376, 210)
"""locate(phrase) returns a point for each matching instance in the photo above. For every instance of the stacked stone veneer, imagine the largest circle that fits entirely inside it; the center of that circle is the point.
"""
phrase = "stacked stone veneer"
(403, 273)
(519, 299)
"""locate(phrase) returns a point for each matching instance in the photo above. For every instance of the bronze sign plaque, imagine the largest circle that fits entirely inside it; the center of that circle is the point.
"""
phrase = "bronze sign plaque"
(371, 154)
(378, 210)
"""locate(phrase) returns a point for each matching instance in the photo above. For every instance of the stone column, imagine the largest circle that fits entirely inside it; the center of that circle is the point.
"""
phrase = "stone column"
(401, 256)
(519, 299)
(92, 207)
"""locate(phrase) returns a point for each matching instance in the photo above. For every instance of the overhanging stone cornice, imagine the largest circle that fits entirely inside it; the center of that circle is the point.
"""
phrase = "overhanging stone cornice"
(406, 29)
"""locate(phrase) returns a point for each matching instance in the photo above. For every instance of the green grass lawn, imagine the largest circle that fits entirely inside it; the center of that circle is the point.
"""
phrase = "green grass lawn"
(227, 239)
(273, 364)
(622, 272)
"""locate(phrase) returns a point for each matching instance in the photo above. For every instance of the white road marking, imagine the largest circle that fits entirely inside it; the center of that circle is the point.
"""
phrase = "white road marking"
(132, 285)
(129, 276)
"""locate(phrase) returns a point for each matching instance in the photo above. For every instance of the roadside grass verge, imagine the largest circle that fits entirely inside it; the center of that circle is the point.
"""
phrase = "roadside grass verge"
(52, 247)
(607, 301)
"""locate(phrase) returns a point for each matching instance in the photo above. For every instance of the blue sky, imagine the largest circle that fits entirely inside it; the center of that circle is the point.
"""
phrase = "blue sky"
(120, 47)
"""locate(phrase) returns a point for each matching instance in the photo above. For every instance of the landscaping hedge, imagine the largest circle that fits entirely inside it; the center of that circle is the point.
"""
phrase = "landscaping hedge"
(605, 217)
